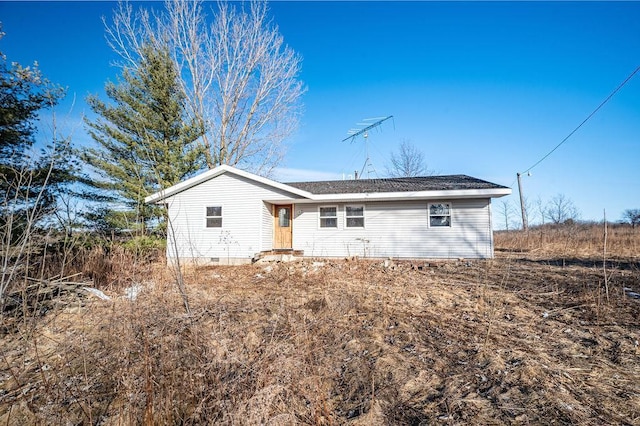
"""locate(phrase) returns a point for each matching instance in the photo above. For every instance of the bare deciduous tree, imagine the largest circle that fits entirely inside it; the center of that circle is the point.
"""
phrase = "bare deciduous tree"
(506, 209)
(407, 162)
(30, 181)
(632, 216)
(540, 210)
(560, 209)
(241, 80)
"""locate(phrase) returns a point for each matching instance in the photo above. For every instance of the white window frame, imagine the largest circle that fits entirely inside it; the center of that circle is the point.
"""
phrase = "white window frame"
(430, 216)
(206, 216)
(347, 217)
(320, 217)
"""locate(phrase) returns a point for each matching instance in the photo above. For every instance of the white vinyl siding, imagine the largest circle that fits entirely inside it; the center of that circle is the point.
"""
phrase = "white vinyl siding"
(266, 227)
(399, 229)
(247, 224)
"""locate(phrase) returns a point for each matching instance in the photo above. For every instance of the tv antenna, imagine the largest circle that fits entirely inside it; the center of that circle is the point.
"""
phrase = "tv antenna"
(369, 123)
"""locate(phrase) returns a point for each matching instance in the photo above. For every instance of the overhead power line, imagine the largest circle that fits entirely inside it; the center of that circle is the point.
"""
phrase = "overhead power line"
(585, 120)
(518, 175)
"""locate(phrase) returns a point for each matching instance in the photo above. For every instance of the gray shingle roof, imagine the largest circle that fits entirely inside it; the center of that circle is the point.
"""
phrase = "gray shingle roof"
(410, 184)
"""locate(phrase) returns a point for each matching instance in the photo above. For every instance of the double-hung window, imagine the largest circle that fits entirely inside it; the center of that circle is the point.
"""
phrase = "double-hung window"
(354, 216)
(440, 214)
(213, 217)
(328, 217)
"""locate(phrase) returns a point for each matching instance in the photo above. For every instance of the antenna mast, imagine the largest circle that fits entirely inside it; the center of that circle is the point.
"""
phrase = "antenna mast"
(369, 123)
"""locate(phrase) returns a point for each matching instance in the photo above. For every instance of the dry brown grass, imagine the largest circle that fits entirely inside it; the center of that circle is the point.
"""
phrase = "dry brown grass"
(576, 240)
(521, 339)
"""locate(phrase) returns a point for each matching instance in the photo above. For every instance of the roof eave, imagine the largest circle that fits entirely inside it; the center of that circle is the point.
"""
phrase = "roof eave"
(398, 196)
(210, 174)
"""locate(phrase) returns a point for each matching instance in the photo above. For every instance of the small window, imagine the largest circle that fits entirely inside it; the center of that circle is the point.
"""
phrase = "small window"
(355, 216)
(284, 217)
(328, 217)
(214, 217)
(440, 214)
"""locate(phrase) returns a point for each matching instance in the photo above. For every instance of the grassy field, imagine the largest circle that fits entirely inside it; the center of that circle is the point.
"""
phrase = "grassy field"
(543, 334)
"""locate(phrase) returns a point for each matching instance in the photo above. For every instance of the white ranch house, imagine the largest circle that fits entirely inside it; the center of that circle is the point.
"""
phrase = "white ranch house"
(226, 215)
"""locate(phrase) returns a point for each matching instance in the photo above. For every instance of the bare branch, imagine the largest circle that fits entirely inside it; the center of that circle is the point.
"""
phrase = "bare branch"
(408, 162)
(561, 209)
(631, 216)
(240, 78)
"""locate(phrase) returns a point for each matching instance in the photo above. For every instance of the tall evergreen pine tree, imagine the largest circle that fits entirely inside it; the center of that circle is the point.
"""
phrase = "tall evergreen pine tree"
(145, 140)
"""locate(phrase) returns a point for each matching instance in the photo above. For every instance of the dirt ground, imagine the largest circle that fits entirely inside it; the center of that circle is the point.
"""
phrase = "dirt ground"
(513, 340)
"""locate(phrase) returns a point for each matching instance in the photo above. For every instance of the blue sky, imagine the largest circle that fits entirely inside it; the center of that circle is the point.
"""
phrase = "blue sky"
(484, 89)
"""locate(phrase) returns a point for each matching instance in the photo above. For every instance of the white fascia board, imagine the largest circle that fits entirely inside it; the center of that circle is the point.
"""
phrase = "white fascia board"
(210, 174)
(397, 196)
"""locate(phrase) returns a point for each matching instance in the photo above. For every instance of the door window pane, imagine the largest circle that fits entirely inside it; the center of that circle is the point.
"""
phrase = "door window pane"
(284, 217)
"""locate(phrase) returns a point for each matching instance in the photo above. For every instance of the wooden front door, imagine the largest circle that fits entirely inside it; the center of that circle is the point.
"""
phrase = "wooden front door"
(283, 229)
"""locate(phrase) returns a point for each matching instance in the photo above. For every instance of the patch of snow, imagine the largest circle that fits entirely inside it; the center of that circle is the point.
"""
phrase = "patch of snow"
(99, 294)
(132, 292)
(632, 294)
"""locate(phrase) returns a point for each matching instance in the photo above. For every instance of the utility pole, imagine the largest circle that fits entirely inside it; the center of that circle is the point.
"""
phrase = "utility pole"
(525, 224)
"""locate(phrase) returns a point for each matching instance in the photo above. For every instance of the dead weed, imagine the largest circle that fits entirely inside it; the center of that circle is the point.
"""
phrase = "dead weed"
(505, 341)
